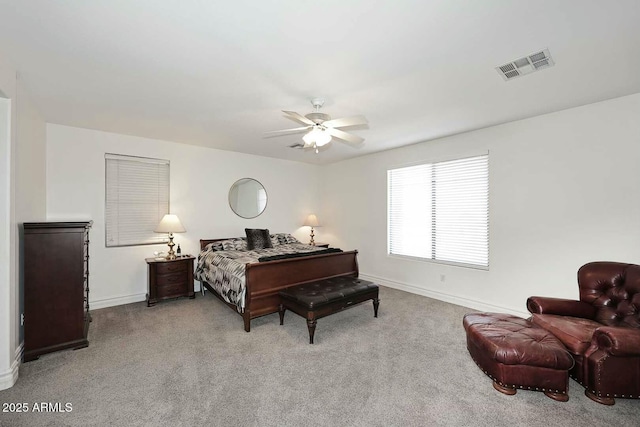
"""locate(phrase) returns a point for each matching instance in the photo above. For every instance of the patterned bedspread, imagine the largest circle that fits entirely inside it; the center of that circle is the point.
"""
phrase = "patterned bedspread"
(225, 270)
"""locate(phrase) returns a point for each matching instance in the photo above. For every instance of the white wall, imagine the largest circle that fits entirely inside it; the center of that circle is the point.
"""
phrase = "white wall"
(22, 146)
(563, 192)
(30, 160)
(200, 182)
(30, 177)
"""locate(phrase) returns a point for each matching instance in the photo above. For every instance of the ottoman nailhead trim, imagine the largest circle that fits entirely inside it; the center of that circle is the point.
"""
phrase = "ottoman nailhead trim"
(516, 386)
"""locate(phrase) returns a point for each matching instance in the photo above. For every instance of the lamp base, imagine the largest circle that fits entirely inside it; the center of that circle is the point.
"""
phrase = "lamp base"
(312, 242)
(171, 254)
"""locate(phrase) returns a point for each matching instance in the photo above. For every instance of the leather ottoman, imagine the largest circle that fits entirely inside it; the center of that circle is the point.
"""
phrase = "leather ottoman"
(515, 353)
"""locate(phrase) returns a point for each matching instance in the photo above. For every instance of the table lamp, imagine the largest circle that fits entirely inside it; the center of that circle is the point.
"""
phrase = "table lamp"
(170, 224)
(312, 221)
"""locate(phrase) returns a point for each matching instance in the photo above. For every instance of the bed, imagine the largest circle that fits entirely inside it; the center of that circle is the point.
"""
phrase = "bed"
(248, 281)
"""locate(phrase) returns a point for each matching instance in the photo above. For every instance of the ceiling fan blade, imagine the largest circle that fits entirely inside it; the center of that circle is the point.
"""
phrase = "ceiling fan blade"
(346, 121)
(286, 131)
(348, 137)
(298, 118)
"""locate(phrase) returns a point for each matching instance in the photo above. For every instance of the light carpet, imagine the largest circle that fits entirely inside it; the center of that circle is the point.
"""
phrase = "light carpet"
(190, 363)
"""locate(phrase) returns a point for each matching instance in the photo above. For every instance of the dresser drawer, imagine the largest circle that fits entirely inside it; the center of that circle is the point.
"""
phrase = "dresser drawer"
(167, 291)
(171, 267)
(171, 279)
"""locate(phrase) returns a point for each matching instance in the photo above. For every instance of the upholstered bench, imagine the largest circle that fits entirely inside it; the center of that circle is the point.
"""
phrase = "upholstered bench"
(515, 353)
(324, 297)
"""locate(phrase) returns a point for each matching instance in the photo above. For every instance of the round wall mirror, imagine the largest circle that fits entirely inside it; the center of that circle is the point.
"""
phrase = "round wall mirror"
(247, 198)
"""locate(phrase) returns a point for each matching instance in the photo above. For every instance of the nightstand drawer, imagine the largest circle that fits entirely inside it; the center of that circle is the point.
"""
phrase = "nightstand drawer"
(171, 267)
(171, 279)
(167, 291)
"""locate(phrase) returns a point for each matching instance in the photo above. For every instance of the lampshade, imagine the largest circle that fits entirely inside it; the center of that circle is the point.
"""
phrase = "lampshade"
(312, 221)
(317, 136)
(170, 224)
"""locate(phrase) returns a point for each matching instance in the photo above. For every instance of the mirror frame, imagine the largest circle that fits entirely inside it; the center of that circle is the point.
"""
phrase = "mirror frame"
(238, 213)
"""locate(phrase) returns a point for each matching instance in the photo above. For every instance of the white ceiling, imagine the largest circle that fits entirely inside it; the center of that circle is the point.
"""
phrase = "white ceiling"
(218, 74)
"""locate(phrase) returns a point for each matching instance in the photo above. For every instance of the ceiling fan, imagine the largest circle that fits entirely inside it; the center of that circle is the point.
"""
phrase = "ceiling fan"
(320, 127)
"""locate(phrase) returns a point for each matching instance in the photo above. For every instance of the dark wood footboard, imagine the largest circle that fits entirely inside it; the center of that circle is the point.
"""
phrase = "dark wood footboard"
(265, 279)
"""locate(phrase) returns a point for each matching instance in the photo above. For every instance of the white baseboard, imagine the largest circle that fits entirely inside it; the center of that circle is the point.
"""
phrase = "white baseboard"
(9, 377)
(113, 301)
(125, 299)
(452, 299)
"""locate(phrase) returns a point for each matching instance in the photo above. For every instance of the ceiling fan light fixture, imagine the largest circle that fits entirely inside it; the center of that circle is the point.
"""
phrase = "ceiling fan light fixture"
(320, 128)
(318, 137)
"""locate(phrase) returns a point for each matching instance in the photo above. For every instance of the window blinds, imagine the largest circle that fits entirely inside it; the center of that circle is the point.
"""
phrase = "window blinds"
(137, 197)
(440, 211)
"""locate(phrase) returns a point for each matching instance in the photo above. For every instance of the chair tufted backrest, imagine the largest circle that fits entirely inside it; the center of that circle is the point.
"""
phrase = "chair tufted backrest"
(614, 289)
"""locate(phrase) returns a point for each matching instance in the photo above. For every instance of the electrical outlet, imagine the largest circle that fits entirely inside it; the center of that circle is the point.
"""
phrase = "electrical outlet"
(22, 319)
(443, 277)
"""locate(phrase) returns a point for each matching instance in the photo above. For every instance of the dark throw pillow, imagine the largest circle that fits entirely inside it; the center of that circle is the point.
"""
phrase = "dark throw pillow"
(258, 238)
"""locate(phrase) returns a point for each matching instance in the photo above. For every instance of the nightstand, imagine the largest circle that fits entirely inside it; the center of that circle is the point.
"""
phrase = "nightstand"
(170, 279)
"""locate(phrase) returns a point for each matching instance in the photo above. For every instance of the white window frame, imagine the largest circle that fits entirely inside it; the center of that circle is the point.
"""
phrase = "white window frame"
(424, 231)
(136, 199)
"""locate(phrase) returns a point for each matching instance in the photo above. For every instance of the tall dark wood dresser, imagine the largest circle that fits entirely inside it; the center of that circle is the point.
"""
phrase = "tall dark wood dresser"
(56, 286)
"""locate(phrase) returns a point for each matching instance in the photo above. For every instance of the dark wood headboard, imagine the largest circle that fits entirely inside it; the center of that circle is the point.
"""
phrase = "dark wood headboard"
(205, 242)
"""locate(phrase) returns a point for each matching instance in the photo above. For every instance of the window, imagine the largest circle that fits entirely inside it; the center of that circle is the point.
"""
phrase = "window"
(137, 197)
(440, 211)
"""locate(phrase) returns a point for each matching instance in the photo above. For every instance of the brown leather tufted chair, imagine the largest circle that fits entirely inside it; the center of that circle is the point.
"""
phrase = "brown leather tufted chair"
(601, 331)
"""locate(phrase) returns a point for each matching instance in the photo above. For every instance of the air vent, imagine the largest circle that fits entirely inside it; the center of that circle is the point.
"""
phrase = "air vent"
(522, 66)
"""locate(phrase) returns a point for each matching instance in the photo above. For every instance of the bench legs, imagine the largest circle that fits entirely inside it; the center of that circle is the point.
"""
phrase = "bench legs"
(311, 325)
(312, 320)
